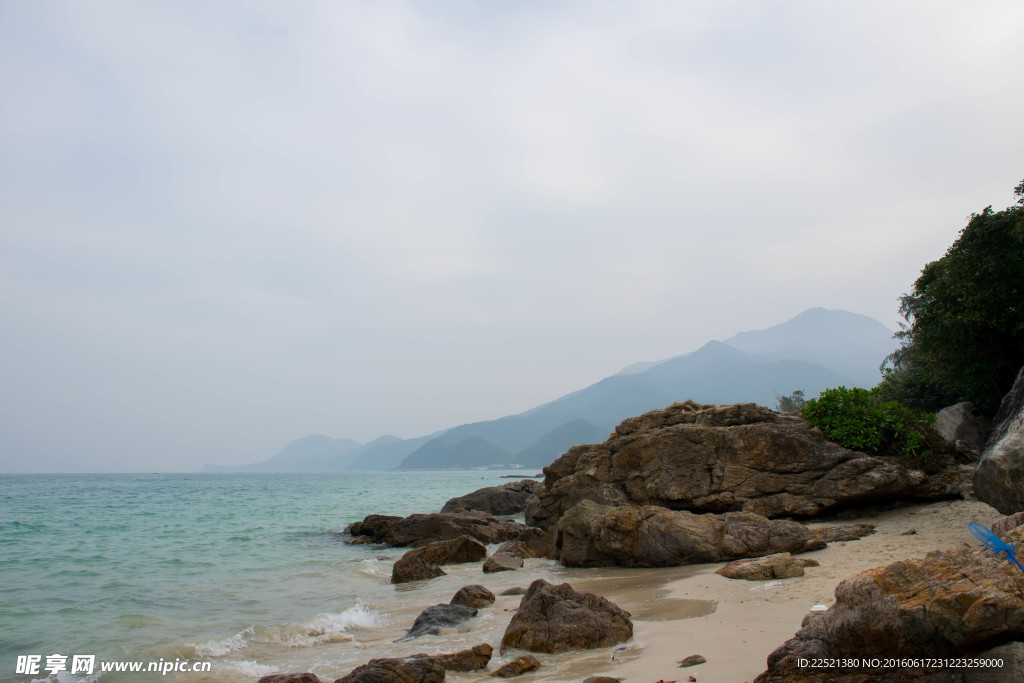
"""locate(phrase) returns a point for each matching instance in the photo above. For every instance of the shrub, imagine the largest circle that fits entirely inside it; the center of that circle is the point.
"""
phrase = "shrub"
(859, 420)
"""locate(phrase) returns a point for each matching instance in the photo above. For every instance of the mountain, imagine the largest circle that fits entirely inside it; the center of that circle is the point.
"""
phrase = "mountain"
(545, 450)
(380, 457)
(446, 452)
(315, 453)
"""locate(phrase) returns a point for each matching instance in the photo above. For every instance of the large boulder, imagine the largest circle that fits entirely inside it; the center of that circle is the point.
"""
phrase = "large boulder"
(408, 569)
(557, 618)
(507, 499)
(502, 562)
(455, 551)
(473, 595)
(531, 543)
(964, 426)
(421, 529)
(592, 535)
(999, 479)
(431, 620)
(473, 659)
(959, 602)
(405, 670)
(741, 457)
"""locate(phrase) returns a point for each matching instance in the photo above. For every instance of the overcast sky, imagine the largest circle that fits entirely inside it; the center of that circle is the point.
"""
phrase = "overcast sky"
(225, 226)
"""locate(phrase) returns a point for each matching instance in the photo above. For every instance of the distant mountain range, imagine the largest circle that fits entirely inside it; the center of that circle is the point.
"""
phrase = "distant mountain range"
(815, 350)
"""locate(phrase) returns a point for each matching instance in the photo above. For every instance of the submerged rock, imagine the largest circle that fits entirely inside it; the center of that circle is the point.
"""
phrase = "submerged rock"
(999, 479)
(517, 667)
(502, 562)
(473, 595)
(414, 569)
(557, 618)
(455, 551)
(433, 619)
(532, 542)
(291, 678)
(507, 499)
(958, 602)
(592, 535)
(405, 670)
(730, 458)
(473, 659)
(421, 529)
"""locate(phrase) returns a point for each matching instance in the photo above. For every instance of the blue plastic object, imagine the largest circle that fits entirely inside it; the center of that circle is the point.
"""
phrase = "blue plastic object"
(998, 545)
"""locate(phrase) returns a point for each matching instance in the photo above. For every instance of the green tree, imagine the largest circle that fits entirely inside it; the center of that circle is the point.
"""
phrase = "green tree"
(965, 315)
(791, 403)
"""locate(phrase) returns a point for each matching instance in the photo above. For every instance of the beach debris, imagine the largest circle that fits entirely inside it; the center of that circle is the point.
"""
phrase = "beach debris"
(909, 532)
(766, 586)
(473, 595)
(414, 569)
(455, 551)
(819, 608)
(502, 562)
(473, 659)
(617, 650)
(517, 666)
(692, 660)
(557, 618)
(998, 545)
(692, 679)
(777, 566)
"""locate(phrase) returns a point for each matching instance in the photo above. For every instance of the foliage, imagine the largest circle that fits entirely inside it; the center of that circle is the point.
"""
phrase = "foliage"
(857, 419)
(965, 337)
(910, 385)
(791, 403)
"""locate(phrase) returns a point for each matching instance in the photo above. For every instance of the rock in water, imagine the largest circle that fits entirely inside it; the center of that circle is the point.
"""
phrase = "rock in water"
(531, 543)
(778, 566)
(419, 529)
(502, 562)
(455, 551)
(433, 619)
(407, 670)
(473, 595)
(474, 659)
(409, 569)
(517, 667)
(507, 499)
(291, 678)
(739, 457)
(999, 479)
(593, 535)
(959, 601)
(557, 618)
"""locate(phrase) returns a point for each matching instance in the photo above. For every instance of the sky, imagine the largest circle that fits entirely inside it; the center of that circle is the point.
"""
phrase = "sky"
(228, 225)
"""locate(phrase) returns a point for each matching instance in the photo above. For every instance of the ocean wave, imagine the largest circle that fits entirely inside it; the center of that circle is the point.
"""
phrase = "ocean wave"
(250, 669)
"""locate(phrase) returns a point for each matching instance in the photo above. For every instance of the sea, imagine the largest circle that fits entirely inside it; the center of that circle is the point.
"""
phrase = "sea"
(246, 572)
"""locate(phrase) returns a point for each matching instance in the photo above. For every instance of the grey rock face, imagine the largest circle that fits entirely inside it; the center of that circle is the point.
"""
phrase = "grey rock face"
(964, 424)
(507, 499)
(999, 479)
(421, 529)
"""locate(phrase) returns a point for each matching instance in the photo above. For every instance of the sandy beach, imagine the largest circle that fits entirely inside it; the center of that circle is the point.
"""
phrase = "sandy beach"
(736, 624)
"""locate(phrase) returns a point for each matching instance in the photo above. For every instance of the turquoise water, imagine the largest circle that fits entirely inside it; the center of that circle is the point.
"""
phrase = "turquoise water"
(244, 569)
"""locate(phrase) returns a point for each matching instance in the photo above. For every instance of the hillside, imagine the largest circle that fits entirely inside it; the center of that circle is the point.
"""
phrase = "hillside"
(315, 453)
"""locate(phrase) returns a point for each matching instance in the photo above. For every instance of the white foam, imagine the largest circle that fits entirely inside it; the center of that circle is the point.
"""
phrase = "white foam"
(219, 648)
(251, 669)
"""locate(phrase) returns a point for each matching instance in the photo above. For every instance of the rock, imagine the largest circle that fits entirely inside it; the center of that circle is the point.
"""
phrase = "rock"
(692, 660)
(290, 678)
(960, 600)
(739, 457)
(844, 532)
(999, 479)
(406, 670)
(557, 618)
(507, 499)
(1012, 655)
(778, 566)
(809, 563)
(1005, 525)
(414, 569)
(518, 666)
(433, 619)
(502, 562)
(531, 543)
(473, 659)
(455, 551)
(909, 532)
(963, 424)
(473, 595)
(592, 535)
(421, 529)
(601, 679)
(516, 590)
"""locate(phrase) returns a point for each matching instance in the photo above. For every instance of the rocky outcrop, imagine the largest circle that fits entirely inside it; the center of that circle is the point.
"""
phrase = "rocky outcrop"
(531, 543)
(421, 529)
(455, 551)
(473, 659)
(507, 499)
(778, 566)
(290, 678)
(557, 618)
(730, 458)
(960, 602)
(405, 670)
(592, 535)
(999, 479)
(409, 569)
(843, 532)
(517, 667)
(431, 620)
(502, 562)
(963, 426)
(473, 595)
